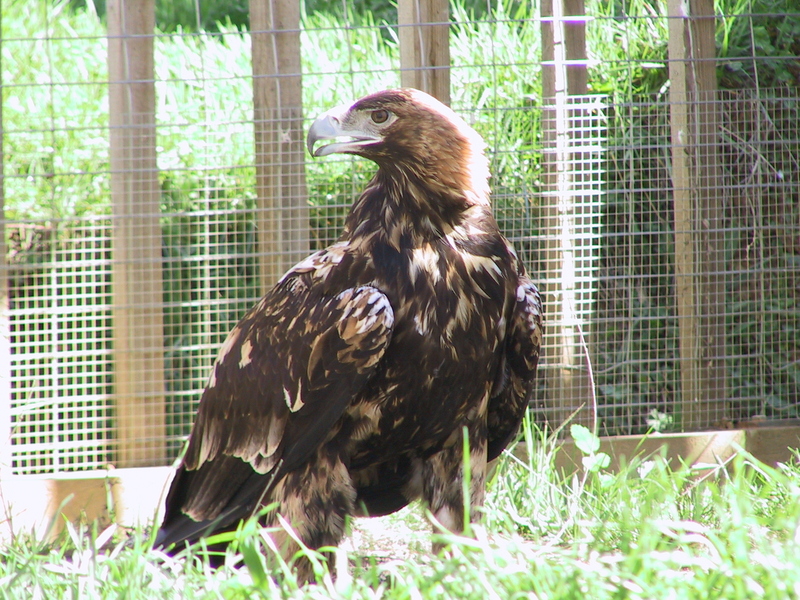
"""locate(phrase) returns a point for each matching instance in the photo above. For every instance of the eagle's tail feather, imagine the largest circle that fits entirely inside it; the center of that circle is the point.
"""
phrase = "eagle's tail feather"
(180, 528)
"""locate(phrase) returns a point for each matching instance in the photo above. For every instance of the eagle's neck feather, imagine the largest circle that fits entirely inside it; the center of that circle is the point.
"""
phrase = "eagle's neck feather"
(406, 211)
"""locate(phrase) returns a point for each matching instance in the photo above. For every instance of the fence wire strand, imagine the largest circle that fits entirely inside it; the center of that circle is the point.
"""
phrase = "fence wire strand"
(66, 405)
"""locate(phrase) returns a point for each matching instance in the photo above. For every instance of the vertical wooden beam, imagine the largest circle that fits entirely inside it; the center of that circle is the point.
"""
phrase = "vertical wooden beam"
(571, 47)
(710, 223)
(568, 254)
(5, 326)
(685, 267)
(283, 227)
(424, 31)
(136, 232)
(697, 184)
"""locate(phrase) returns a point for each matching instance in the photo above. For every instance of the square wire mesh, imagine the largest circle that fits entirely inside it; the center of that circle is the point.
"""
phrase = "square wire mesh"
(604, 246)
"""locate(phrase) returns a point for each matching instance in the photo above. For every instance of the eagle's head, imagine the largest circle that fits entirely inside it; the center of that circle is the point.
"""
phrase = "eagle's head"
(411, 136)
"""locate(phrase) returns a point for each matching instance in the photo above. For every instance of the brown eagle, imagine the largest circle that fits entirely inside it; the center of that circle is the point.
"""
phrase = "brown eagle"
(346, 390)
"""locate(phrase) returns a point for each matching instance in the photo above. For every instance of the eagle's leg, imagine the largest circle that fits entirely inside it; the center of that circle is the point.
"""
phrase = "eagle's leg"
(443, 481)
(314, 500)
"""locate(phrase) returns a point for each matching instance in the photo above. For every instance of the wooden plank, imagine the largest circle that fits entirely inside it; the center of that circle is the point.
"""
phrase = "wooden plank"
(424, 32)
(567, 280)
(573, 51)
(710, 220)
(677, 448)
(283, 227)
(685, 268)
(696, 182)
(771, 445)
(136, 236)
(39, 504)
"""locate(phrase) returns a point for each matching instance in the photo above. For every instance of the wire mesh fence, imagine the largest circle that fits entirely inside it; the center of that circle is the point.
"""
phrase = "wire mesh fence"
(672, 302)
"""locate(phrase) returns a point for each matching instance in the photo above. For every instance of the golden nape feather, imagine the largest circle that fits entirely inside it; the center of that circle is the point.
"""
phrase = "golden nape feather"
(346, 389)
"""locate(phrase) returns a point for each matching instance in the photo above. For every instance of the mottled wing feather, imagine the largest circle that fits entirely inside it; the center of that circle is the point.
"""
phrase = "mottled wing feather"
(282, 379)
(515, 380)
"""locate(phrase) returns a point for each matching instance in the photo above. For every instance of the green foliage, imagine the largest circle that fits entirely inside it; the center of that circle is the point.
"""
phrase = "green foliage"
(635, 353)
(209, 15)
(762, 251)
(651, 530)
(654, 517)
(759, 42)
(589, 444)
(201, 15)
(56, 151)
(184, 15)
(380, 11)
(56, 169)
(627, 47)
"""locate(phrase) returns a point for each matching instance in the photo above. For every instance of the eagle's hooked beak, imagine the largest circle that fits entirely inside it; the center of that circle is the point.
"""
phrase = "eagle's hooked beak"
(328, 126)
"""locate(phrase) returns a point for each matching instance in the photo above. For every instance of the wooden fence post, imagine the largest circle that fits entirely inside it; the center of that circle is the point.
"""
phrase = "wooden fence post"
(283, 226)
(136, 233)
(424, 31)
(569, 252)
(697, 184)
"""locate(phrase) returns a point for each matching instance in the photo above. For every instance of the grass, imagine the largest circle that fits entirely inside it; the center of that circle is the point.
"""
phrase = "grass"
(652, 530)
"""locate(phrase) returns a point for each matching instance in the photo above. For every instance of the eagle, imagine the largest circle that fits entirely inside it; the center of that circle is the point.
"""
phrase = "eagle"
(349, 388)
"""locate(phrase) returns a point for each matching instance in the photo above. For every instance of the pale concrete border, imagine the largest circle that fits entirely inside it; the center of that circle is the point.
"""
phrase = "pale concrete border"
(132, 497)
(39, 504)
(771, 444)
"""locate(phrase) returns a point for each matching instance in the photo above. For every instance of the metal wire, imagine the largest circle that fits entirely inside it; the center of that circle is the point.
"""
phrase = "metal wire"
(622, 292)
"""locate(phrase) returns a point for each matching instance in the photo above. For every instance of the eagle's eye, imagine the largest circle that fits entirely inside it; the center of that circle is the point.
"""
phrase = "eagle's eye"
(379, 116)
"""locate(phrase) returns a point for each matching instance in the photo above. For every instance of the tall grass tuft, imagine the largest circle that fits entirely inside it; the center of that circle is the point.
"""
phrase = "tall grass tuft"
(651, 530)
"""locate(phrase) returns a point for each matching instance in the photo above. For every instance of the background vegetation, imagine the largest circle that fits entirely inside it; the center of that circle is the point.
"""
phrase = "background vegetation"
(56, 162)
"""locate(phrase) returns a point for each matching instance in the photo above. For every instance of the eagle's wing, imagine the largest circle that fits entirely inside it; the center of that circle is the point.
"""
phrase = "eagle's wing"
(282, 379)
(517, 372)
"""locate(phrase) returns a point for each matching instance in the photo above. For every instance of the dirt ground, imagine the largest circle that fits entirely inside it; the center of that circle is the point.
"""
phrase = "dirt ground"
(398, 536)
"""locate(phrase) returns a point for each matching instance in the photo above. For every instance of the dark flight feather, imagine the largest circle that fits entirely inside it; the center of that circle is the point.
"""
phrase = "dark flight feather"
(345, 390)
